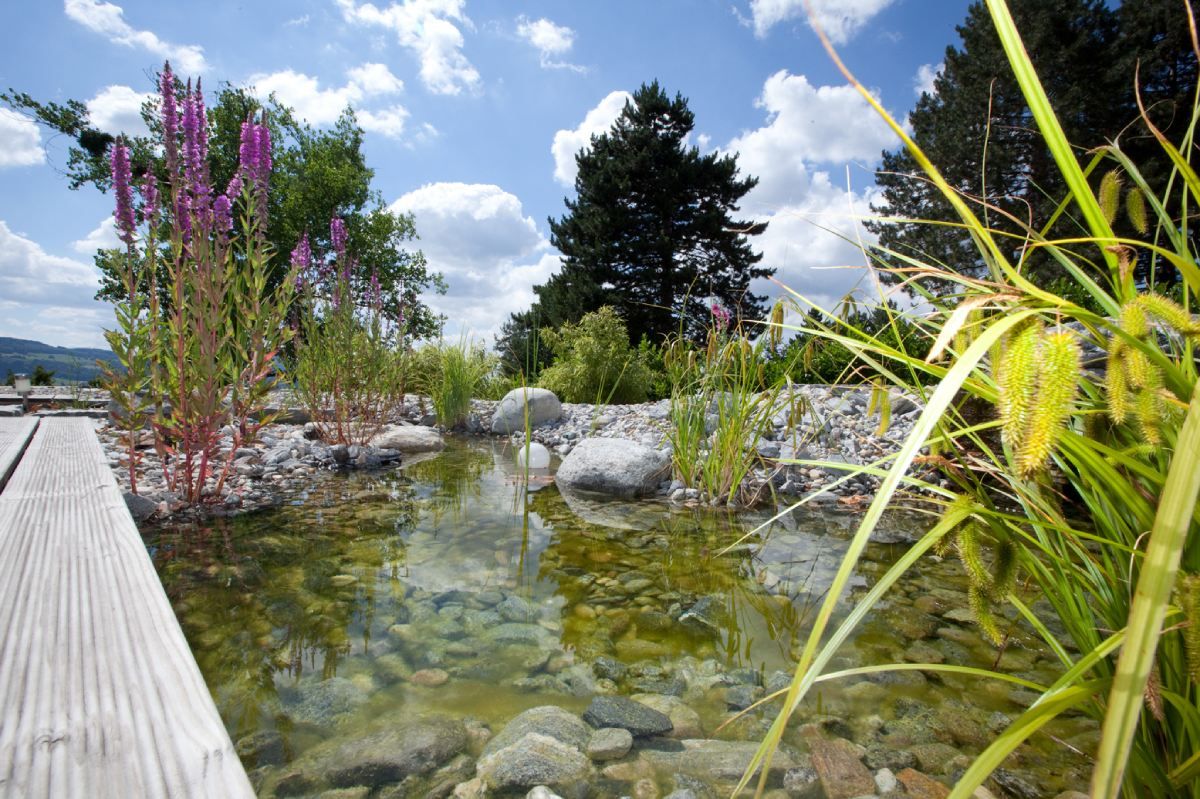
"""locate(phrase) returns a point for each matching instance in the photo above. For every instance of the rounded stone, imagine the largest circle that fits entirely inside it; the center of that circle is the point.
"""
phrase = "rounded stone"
(609, 743)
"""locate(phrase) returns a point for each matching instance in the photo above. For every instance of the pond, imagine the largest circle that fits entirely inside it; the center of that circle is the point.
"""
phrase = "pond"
(448, 592)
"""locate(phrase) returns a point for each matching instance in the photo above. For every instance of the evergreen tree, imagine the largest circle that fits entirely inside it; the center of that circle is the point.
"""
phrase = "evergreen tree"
(649, 232)
(977, 128)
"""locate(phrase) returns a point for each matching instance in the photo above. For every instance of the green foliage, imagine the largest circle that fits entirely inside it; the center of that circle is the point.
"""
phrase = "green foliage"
(316, 175)
(594, 362)
(451, 375)
(41, 376)
(650, 232)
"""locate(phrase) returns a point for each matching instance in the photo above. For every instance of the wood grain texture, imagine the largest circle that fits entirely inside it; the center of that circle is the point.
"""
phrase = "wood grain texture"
(14, 435)
(99, 693)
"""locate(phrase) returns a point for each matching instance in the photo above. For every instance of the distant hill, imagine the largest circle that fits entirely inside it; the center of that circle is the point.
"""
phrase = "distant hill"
(69, 364)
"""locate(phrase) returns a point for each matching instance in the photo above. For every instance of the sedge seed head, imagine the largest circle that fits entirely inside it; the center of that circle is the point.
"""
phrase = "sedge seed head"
(1058, 373)
(1110, 195)
(1017, 380)
(1135, 209)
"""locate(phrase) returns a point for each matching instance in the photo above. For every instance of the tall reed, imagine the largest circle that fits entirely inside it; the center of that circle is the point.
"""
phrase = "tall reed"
(1085, 484)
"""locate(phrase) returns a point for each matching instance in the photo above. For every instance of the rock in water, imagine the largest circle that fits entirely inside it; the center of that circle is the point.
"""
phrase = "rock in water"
(409, 438)
(613, 466)
(548, 720)
(414, 748)
(140, 508)
(534, 760)
(510, 413)
(625, 714)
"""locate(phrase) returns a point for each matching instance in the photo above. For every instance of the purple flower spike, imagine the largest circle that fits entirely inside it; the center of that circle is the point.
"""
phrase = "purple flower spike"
(234, 188)
(149, 192)
(170, 116)
(337, 235)
(263, 140)
(222, 214)
(376, 293)
(123, 189)
(721, 316)
(302, 255)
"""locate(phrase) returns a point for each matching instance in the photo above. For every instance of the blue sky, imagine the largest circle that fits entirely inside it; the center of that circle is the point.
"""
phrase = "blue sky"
(473, 111)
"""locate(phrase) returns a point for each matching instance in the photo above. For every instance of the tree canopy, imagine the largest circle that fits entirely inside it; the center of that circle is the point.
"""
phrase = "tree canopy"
(316, 175)
(649, 232)
(977, 128)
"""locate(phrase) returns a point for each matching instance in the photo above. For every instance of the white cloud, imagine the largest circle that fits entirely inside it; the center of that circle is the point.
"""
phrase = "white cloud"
(103, 237)
(926, 75)
(569, 142)
(840, 19)
(118, 109)
(108, 20)
(20, 140)
(323, 106)
(814, 224)
(550, 40)
(298, 22)
(47, 297)
(490, 251)
(806, 125)
(429, 29)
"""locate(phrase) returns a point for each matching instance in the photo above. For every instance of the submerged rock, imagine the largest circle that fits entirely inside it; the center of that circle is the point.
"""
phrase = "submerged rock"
(534, 760)
(617, 711)
(326, 702)
(548, 720)
(613, 466)
(390, 755)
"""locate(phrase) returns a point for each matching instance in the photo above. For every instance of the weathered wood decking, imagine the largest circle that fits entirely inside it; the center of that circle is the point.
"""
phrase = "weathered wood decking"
(99, 694)
(14, 436)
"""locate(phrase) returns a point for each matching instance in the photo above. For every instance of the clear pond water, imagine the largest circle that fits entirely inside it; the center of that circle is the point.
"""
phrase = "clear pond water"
(447, 588)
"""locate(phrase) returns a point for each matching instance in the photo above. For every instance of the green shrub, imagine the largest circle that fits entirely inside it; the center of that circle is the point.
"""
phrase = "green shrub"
(450, 375)
(594, 362)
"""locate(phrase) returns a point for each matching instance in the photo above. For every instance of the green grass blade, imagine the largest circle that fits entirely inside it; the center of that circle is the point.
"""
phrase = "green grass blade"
(1153, 594)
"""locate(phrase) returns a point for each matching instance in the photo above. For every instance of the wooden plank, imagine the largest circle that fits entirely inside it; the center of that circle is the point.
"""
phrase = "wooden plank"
(14, 436)
(99, 693)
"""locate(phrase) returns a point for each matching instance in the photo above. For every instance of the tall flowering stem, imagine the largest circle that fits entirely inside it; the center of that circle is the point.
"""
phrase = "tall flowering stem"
(130, 340)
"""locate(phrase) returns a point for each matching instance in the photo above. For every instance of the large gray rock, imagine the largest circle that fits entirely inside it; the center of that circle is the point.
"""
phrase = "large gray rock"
(614, 466)
(140, 508)
(534, 760)
(548, 720)
(509, 416)
(720, 761)
(417, 747)
(625, 714)
(409, 439)
(326, 702)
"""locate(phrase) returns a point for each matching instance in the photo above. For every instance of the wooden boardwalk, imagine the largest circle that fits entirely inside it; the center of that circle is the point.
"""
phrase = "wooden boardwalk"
(99, 693)
(14, 437)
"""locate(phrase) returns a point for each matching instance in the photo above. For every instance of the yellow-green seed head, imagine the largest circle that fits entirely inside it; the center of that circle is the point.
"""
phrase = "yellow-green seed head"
(1188, 597)
(971, 556)
(1150, 416)
(1116, 381)
(1004, 570)
(1168, 311)
(1017, 380)
(1135, 209)
(1110, 195)
(1058, 374)
(982, 611)
(1133, 319)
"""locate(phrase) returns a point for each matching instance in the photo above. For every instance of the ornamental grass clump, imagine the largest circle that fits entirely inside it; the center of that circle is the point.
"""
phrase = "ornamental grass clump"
(203, 359)
(1080, 487)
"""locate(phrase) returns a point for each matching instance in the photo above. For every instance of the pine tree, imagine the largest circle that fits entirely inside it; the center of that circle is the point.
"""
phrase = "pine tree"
(649, 231)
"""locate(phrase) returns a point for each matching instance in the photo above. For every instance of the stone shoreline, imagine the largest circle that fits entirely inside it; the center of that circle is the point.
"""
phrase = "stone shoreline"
(836, 429)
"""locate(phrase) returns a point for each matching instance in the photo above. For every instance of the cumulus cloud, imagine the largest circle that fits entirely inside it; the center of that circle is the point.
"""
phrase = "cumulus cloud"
(118, 109)
(108, 20)
(20, 140)
(814, 224)
(551, 41)
(926, 75)
(430, 30)
(569, 142)
(102, 237)
(806, 125)
(322, 106)
(490, 251)
(840, 19)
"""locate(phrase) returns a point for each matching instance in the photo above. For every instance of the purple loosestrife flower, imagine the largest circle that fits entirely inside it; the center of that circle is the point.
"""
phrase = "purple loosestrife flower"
(170, 117)
(222, 214)
(263, 140)
(195, 150)
(375, 292)
(721, 316)
(123, 189)
(337, 235)
(302, 256)
(149, 192)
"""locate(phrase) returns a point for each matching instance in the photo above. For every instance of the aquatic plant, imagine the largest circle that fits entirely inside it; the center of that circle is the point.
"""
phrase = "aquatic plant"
(1119, 449)
(348, 365)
